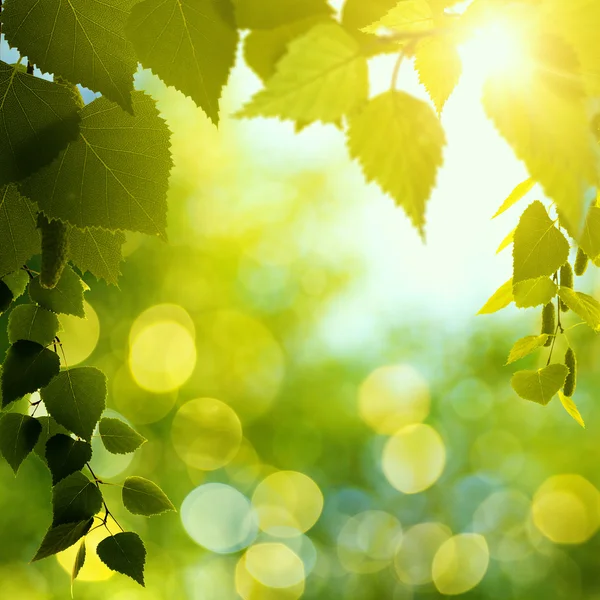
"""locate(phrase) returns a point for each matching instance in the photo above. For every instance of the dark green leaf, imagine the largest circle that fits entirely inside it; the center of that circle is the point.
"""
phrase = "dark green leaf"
(97, 251)
(6, 297)
(76, 398)
(61, 537)
(38, 118)
(34, 323)
(124, 553)
(115, 175)
(81, 40)
(18, 231)
(118, 437)
(189, 44)
(27, 367)
(18, 436)
(65, 455)
(49, 428)
(143, 497)
(75, 498)
(66, 298)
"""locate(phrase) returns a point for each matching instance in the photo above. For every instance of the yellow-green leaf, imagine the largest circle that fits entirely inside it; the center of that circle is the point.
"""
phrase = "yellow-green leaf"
(322, 77)
(406, 165)
(533, 292)
(519, 192)
(407, 15)
(525, 346)
(571, 408)
(539, 248)
(541, 385)
(500, 299)
(585, 306)
(590, 237)
(507, 241)
(439, 67)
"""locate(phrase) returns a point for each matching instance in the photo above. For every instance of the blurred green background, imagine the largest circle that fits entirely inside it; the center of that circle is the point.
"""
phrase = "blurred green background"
(321, 404)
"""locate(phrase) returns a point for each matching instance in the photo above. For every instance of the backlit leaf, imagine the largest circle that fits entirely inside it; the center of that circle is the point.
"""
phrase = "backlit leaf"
(27, 367)
(81, 40)
(268, 14)
(76, 398)
(541, 385)
(79, 562)
(61, 537)
(189, 44)
(143, 497)
(18, 231)
(507, 241)
(590, 237)
(585, 306)
(124, 553)
(65, 298)
(571, 408)
(115, 175)
(18, 436)
(517, 194)
(118, 437)
(406, 165)
(38, 118)
(97, 251)
(406, 15)
(500, 299)
(34, 323)
(322, 77)
(525, 346)
(75, 498)
(533, 292)
(539, 248)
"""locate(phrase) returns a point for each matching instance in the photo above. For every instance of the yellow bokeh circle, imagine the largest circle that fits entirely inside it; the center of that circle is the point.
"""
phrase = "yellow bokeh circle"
(368, 541)
(566, 509)
(460, 563)
(206, 433)
(93, 568)
(393, 397)
(79, 336)
(414, 458)
(162, 312)
(249, 588)
(275, 565)
(288, 503)
(162, 356)
(414, 557)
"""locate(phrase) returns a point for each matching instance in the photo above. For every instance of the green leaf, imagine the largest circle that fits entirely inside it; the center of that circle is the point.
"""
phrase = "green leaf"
(539, 386)
(18, 436)
(27, 367)
(525, 346)
(439, 67)
(585, 306)
(76, 398)
(590, 237)
(115, 175)
(81, 40)
(61, 537)
(97, 251)
(268, 14)
(500, 299)
(49, 428)
(118, 437)
(189, 44)
(517, 194)
(38, 118)
(79, 562)
(124, 553)
(571, 408)
(34, 323)
(65, 455)
(406, 165)
(17, 282)
(322, 77)
(533, 292)
(74, 499)
(507, 241)
(357, 14)
(143, 497)
(264, 48)
(6, 297)
(550, 132)
(539, 248)
(407, 15)
(66, 298)
(18, 231)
